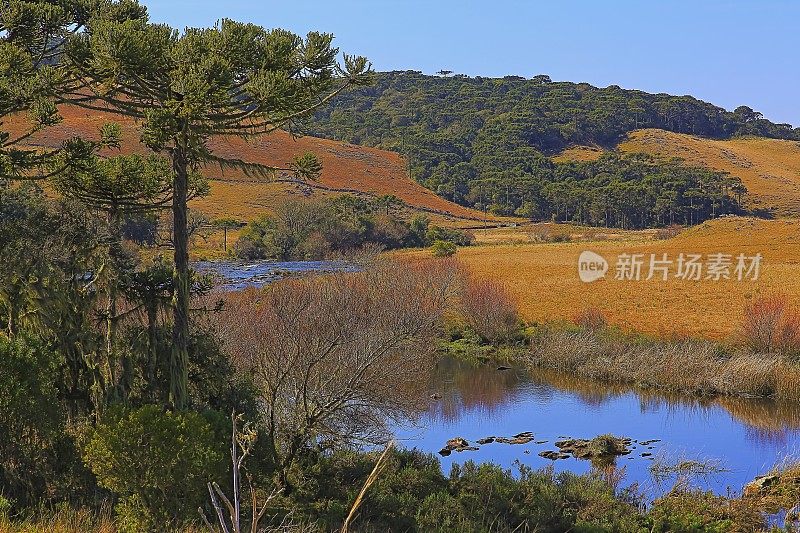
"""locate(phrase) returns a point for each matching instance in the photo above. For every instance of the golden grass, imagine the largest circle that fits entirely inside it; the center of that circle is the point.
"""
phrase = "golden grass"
(234, 192)
(544, 278)
(769, 168)
(675, 365)
(529, 233)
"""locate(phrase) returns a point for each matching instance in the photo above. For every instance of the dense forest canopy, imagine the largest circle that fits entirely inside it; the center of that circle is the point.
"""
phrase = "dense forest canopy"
(473, 140)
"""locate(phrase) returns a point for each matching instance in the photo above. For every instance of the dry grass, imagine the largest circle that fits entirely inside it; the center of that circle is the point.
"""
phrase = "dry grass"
(699, 367)
(544, 278)
(346, 168)
(769, 168)
(551, 232)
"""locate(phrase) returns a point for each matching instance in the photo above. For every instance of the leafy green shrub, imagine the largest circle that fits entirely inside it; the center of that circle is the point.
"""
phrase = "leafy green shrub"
(455, 236)
(157, 461)
(34, 450)
(443, 249)
(703, 511)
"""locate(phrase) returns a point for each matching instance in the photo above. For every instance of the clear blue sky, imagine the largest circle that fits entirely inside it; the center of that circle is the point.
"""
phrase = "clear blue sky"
(727, 52)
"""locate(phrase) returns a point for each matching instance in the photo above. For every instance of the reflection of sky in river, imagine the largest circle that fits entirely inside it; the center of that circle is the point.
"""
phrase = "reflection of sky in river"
(747, 436)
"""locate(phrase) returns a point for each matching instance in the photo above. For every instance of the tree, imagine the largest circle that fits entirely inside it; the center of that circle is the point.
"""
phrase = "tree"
(230, 80)
(120, 187)
(31, 38)
(225, 224)
(356, 357)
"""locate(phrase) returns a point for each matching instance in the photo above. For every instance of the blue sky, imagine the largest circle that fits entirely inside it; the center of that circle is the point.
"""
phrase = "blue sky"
(726, 52)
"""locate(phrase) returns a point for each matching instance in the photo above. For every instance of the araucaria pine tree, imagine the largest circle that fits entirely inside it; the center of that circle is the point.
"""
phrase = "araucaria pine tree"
(183, 88)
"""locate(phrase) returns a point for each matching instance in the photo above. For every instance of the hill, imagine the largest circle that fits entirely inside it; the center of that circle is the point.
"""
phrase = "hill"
(768, 168)
(471, 140)
(544, 277)
(346, 169)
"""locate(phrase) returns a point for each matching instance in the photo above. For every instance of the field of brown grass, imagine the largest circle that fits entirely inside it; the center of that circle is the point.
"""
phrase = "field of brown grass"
(769, 168)
(346, 168)
(544, 277)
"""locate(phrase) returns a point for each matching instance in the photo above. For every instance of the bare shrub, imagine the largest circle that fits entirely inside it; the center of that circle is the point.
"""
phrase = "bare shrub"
(771, 325)
(335, 357)
(668, 232)
(547, 234)
(489, 309)
(590, 318)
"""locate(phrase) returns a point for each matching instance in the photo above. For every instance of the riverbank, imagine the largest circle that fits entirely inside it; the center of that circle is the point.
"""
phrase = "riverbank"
(693, 366)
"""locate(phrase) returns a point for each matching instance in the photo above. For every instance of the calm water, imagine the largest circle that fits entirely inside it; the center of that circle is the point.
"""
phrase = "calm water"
(746, 436)
(237, 275)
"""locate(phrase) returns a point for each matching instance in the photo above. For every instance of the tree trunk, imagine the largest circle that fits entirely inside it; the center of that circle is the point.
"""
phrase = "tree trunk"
(111, 303)
(152, 347)
(179, 359)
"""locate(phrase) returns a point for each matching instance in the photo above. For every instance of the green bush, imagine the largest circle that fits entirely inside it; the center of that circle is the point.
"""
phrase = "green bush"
(157, 461)
(412, 494)
(443, 249)
(35, 456)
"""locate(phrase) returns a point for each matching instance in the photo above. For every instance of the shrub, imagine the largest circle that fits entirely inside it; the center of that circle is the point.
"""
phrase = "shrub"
(544, 233)
(668, 232)
(157, 461)
(771, 325)
(590, 318)
(443, 249)
(357, 356)
(455, 236)
(703, 511)
(34, 450)
(490, 310)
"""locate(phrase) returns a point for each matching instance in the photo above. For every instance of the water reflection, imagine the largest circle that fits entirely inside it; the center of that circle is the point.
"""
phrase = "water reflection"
(747, 435)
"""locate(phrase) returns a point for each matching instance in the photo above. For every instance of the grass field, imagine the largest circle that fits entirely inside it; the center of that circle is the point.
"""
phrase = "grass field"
(347, 168)
(769, 168)
(544, 277)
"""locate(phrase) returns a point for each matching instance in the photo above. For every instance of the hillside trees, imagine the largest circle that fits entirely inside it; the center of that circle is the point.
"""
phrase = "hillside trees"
(458, 131)
(231, 80)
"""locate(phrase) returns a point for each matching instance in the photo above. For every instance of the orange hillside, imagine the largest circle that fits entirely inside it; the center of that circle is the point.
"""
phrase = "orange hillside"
(346, 167)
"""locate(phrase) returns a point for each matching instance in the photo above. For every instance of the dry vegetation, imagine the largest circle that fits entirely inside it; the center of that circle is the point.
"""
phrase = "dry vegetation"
(544, 278)
(337, 357)
(769, 168)
(237, 193)
(699, 367)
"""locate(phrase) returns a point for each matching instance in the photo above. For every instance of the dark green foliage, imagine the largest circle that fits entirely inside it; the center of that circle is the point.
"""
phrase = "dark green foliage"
(36, 457)
(312, 230)
(443, 248)
(482, 142)
(158, 462)
(413, 495)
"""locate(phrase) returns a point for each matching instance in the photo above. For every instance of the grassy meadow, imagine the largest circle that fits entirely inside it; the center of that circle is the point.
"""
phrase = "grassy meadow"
(544, 278)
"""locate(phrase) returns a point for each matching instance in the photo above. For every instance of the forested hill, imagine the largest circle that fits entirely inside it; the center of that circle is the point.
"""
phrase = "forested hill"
(482, 142)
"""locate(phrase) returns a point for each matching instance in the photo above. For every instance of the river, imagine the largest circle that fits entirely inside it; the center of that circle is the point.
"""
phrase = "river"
(744, 436)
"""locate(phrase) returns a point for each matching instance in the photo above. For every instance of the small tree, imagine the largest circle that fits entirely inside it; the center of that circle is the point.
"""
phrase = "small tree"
(230, 80)
(226, 224)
